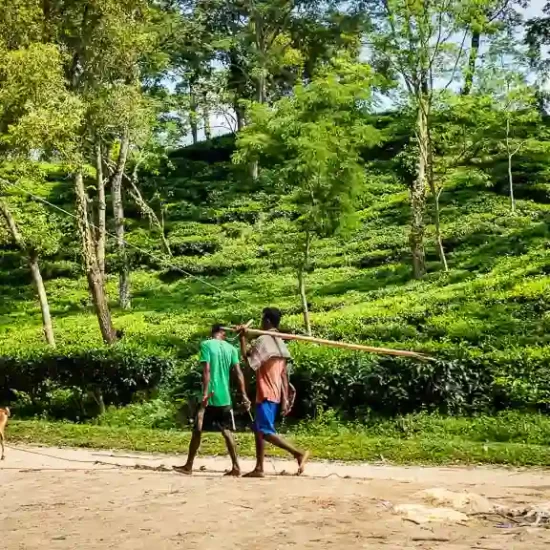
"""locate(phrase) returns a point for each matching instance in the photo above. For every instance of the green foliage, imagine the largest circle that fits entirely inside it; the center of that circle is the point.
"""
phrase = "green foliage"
(506, 427)
(514, 119)
(154, 414)
(40, 228)
(48, 378)
(490, 311)
(313, 139)
(389, 385)
(36, 111)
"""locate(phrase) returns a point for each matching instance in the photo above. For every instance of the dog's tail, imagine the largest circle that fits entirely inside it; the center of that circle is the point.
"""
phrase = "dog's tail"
(8, 412)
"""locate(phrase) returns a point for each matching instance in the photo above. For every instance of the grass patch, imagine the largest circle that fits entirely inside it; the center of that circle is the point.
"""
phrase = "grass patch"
(343, 444)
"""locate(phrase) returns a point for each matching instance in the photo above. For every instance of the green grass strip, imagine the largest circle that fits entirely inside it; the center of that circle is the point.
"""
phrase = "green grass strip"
(352, 446)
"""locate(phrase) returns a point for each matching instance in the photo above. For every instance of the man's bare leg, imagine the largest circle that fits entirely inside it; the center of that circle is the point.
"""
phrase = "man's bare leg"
(194, 445)
(232, 450)
(258, 471)
(300, 456)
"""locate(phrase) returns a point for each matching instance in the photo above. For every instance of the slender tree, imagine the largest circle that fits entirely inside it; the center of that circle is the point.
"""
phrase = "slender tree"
(422, 44)
(512, 120)
(40, 237)
(493, 18)
(110, 47)
(314, 137)
(36, 114)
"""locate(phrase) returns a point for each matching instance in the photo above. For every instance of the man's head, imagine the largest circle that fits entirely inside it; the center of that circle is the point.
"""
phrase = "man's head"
(218, 332)
(271, 317)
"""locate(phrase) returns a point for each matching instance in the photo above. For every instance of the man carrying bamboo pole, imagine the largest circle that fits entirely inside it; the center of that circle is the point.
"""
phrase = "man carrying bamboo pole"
(268, 358)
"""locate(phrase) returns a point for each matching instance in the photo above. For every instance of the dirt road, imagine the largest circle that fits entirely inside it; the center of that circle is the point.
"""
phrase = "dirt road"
(59, 499)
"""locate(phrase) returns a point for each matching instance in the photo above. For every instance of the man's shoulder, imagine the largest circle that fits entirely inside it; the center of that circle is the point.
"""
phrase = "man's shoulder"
(228, 346)
(214, 343)
(207, 342)
(210, 344)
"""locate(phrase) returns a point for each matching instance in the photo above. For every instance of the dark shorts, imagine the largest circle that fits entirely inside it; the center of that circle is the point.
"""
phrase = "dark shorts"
(216, 419)
(266, 412)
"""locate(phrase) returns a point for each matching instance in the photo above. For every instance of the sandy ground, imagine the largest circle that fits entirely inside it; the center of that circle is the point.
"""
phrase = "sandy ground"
(62, 499)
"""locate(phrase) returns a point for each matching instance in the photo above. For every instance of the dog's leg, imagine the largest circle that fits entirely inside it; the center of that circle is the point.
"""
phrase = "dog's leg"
(2, 444)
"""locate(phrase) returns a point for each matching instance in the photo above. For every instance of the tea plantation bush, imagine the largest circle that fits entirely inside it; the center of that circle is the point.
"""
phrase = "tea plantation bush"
(486, 322)
(70, 384)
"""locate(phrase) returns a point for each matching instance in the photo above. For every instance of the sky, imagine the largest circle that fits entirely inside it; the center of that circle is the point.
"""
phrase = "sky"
(534, 9)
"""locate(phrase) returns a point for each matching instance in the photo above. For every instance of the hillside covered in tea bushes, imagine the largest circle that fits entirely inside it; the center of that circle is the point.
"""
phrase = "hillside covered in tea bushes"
(486, 321)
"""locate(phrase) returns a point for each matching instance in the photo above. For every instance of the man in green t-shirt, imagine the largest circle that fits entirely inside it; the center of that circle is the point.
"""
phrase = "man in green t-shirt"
(218, 359)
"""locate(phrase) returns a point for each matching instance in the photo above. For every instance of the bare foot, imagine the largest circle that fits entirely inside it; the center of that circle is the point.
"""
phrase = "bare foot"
(185, 470)
(302, 459)
(255, 473)
(235, 472)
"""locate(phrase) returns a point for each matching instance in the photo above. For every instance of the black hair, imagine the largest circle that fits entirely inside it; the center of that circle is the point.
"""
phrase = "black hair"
(216, 329)
(273, 315)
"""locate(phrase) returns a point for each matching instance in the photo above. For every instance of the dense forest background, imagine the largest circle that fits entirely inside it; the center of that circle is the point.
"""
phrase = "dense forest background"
(378, 170)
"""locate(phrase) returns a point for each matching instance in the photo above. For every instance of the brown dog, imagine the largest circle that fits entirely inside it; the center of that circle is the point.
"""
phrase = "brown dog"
(4, 415)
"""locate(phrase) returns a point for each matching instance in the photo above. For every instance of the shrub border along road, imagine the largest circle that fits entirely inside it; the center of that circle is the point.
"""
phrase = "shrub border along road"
(344, 446)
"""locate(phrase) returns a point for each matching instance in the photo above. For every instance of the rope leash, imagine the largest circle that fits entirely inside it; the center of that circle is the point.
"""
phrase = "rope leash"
(113, 465)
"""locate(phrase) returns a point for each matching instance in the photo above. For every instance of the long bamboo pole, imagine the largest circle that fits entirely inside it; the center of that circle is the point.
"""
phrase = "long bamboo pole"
(336, 344)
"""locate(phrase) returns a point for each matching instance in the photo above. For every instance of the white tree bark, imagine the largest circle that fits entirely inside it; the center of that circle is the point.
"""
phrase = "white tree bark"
(35, 271)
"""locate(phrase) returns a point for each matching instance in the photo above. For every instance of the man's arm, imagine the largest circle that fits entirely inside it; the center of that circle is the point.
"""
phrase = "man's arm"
(240, 378)
(205, 383)
(285, 393)
(243, 346)
(241, 385)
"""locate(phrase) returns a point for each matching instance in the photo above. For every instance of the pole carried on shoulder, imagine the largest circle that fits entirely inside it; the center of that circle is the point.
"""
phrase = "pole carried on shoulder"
(336, 344)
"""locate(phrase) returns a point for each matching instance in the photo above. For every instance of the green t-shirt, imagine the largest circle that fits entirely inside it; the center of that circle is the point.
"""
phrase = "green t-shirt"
(221, 356)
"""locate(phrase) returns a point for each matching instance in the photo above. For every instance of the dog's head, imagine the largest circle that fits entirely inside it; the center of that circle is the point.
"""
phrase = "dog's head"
(5, 410)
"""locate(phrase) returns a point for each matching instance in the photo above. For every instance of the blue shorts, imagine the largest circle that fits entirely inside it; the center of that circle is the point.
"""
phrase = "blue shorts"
(266, 412)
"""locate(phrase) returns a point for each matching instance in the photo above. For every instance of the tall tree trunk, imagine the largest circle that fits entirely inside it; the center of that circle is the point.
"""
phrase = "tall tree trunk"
(239, 113)
(35, 271)
(118, 215)
(42, 298)
(207, 128)
(147, 211)
(261, 98)
(438, 237)
(302, 284)
(97, 394)
(418, 194)
(193, 111)
(509, 154)
(255, 170)
(472, 58)
(93, 275)
(511, 184)
(261, 79)
(101, 211)
(206, 117)
(436, 196)
(261, 88)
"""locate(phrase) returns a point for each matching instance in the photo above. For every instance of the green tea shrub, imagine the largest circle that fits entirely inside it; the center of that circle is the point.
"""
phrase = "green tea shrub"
(118, 373)
(156, 413)
(355, 383)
